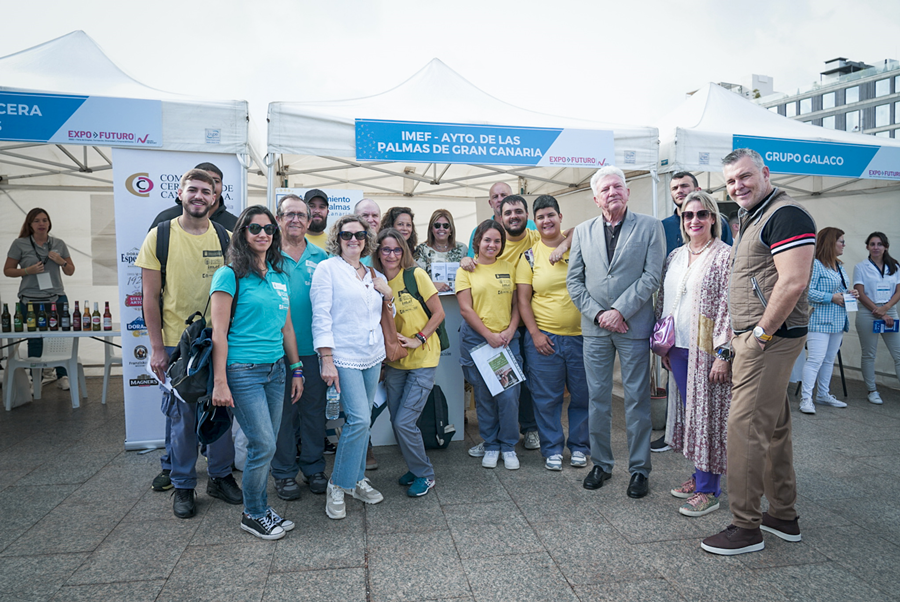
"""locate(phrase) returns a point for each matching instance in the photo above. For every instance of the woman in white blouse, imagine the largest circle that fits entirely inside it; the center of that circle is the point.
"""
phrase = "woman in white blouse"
(878, 281)
(347, 299)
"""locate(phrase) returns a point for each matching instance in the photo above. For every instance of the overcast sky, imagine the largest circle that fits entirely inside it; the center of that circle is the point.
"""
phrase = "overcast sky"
(623, 62)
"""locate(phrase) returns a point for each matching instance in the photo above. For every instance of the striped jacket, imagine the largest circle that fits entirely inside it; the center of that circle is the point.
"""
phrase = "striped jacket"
(827, 316)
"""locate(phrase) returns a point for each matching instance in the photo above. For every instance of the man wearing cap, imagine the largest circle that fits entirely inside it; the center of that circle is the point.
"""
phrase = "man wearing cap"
(317, 201)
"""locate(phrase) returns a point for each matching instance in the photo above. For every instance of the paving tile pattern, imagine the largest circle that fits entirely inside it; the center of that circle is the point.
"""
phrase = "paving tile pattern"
(81, 523)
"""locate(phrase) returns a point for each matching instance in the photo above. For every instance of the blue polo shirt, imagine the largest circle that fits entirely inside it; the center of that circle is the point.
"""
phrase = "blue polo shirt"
(300, 275)
(261, 312)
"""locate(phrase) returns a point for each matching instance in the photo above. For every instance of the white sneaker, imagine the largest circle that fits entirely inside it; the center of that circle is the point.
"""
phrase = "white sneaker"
(477, 451)
(830, 400)
(807, 407)
(554, 462)
(364, 492)
(63, 383)
(490, 459)
(532, 440)
(334, 502)
(510, 460)
(579, 460)
(875, 398)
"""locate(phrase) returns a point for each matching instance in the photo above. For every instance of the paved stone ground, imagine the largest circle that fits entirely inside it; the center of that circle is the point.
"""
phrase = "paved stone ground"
(81, 523)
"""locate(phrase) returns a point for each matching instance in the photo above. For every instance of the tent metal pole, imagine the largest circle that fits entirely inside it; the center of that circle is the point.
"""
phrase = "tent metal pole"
(653, 186)
(270, 180)
(246, 161)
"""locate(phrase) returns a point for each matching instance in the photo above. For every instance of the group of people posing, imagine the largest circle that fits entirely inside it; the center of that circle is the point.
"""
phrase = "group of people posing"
(292, 319)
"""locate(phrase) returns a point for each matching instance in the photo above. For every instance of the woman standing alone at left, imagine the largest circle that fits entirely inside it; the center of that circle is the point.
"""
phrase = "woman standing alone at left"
(248, 355)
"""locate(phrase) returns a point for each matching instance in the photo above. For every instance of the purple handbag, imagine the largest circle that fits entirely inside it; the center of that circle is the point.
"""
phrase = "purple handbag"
(663, 337)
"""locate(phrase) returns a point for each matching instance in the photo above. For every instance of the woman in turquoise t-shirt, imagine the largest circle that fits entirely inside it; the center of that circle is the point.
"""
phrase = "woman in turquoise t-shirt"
(248, 357)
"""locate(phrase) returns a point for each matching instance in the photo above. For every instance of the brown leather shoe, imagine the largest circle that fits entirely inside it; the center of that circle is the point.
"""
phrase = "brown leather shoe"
(788, 530)
(734, 540)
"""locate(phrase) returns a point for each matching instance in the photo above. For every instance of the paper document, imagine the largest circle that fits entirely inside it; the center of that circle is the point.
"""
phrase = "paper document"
(879, 326)
(498, 367)
(445, 272)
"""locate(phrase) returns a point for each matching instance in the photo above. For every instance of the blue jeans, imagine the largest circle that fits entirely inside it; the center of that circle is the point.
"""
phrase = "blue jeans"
(305, 418)
(182, 445)
(357, 397)
(258, 393)
(498, 416)
(549, 376)
(407, 392)
(36, 346)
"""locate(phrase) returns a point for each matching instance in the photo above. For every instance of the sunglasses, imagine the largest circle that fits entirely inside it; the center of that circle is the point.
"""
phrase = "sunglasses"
(254, 229)
(386, 251)
(439, 226)
(361, 235)
(689, 215)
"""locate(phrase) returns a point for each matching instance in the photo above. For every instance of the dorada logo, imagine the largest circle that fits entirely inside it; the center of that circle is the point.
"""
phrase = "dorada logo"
(140, 352)
(139, 184)
(136, 324)
(142, 381)
(129, 257)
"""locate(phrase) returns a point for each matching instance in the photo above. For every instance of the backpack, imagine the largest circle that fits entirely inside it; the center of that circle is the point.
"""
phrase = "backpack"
(163, 233)
(190, 365)
(433, 422)
(412, 287)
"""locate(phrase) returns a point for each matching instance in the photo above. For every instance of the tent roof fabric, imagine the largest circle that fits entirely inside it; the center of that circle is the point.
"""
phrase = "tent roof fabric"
(698, 134)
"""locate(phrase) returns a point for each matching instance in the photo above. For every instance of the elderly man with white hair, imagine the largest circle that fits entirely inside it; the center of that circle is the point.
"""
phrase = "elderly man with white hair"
(615, 265)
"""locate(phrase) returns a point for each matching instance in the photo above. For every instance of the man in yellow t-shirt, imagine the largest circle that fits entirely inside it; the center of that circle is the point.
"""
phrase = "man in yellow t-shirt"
(552, 346)
(194, 254)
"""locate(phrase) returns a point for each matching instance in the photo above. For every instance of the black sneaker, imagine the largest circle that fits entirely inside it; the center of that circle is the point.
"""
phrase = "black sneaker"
(287, 525)
(264, 528)
(226, 489)
(318, 482)
(184, 506)
(162, 482)
(287, 489)
(660, 445)
(330, 448)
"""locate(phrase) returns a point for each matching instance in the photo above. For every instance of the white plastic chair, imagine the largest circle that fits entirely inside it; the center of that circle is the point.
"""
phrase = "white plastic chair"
(110, 359)
(57, 352)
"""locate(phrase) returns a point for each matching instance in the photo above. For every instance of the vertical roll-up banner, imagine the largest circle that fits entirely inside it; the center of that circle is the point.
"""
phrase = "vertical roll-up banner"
(144, 183)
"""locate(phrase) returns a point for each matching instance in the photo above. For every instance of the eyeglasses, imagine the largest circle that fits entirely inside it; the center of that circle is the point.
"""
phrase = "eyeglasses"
(387, 251)
(440, 226)
(254, 229)
(689, 215)
(292, 216)
(841, 242)
(361, 235)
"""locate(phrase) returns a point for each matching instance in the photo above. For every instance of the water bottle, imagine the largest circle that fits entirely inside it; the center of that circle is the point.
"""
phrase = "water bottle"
(332, 403)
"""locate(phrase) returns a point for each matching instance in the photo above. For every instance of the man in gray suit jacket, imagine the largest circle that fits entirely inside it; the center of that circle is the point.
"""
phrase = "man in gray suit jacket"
(615, 264)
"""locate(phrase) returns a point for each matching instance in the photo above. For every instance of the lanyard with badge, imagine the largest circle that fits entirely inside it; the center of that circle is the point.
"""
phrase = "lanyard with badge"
(883, 290)
(45, 282)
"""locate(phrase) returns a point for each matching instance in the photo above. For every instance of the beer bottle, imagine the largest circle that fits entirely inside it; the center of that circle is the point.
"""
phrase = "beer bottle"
(42, 318)
(6, 319)
(107, 318)
(31, 318)
(86, 317)
(53, 318)
(19, 321)
(95, 319)
(65, 320)
(76, 318)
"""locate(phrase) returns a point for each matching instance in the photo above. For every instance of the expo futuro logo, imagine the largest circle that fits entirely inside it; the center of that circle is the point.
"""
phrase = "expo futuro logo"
(139, 184)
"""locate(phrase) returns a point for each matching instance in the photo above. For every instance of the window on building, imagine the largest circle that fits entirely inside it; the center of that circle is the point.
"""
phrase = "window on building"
(851, 121)
(851, 95)
(774, 109)
(882, 115)
(828, 122)
(828, 100)
(805, 106)
(790, 109)
(884, 134)
(882, 87)
(897, 112)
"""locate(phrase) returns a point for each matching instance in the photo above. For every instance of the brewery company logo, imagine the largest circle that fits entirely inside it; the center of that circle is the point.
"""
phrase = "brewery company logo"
(142, 381)
(140, 352)
(136, 324)
(135, 299)
(130, 256)
(139, 184)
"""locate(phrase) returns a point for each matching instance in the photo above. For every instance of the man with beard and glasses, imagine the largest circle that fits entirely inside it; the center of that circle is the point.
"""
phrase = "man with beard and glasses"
(194, 254)
(317, 201)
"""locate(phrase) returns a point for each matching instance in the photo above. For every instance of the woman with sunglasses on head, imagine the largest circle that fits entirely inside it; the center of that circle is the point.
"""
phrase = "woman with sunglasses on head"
(347, 301)
(40, 260)
(828, 321)
(695, 293)
(249, 353)
(409, 380)
(877, 280)
(487, 303)
(440, 246)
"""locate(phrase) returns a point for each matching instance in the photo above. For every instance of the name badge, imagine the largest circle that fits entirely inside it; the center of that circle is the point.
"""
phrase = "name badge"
(882, 293)
(45, 282)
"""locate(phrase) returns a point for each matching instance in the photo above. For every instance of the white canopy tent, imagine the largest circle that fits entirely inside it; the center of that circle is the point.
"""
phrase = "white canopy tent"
(699, 133)
(317, 146)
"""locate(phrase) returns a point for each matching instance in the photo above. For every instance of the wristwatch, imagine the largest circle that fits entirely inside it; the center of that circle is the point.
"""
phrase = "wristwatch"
(724, 353)
(761, 335)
